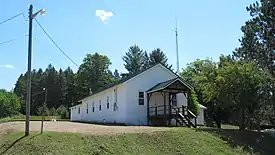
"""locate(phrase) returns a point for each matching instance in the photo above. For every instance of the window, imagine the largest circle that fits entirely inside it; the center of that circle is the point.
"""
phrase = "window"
(87, 109)
(108, 102)
(78, 110)
(93, 106)
(115, 106)
(115, 99)
(99, 105)
(140, 98)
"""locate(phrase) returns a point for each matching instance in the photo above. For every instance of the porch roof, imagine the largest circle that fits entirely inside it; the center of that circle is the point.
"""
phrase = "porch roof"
(166, 84)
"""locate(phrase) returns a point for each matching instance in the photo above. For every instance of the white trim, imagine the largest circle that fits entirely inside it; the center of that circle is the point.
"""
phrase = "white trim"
(75, 106)
(176, 79)
(202, 107)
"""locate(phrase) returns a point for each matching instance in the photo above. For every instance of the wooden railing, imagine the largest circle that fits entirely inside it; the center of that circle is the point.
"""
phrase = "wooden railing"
(169, 110)
(158, 110)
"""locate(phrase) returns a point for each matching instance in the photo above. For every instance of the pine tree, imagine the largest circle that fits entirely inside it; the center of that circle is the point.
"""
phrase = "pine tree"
(134, 59)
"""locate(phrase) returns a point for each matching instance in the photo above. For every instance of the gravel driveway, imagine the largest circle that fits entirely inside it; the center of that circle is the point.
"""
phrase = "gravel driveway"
(78, 128)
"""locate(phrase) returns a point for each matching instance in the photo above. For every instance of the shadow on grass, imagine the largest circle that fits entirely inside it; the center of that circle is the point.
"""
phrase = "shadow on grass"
(252, 142)
(16, 141)
(35, 135)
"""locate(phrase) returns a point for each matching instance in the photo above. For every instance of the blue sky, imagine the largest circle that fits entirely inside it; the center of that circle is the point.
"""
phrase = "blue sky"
(206, 29)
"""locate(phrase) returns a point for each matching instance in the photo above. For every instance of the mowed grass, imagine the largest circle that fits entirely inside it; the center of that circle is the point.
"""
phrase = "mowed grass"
(32, 118)
(175, 141)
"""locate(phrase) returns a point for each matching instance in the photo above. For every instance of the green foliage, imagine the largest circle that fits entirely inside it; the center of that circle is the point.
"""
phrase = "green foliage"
(194, 103)
(60, 85)
(53, 111)
(63, 112)
(93, 74)
(246, 87)
(64, 86)
(146, 60)
(202, 75)
(43, 110)
(231, 87)
(134, 59)
(9, 104)
(158, 56)
(116, 75)
(257, 43)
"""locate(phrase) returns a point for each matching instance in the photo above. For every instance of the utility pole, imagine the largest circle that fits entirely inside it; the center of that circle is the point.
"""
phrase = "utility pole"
(28, 101)
(43, 109)
(177, 48)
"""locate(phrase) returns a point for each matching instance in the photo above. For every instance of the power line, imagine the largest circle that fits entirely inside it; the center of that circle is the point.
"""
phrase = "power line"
(55, 43)
(11, 40)
(7, 41)
(60, 66)
(11, 18)
(4, 42)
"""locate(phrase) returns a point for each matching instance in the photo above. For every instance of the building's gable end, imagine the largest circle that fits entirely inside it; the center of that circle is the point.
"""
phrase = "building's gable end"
(156, 67)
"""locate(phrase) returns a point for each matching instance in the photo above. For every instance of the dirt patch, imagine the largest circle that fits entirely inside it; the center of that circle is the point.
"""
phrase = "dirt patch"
(72, 127)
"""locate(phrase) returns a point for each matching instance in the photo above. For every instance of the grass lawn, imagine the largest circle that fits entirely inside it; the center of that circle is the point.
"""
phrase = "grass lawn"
(32, 118)
(175, 141)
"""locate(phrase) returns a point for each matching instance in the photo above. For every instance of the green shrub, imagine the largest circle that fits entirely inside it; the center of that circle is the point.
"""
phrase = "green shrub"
(194, 103)
(43, 110)
(63, 112)
(53, 112)
(9, 104)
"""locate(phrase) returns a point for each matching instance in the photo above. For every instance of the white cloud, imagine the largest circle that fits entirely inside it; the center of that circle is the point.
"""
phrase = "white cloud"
(103, 15)
(8, 66)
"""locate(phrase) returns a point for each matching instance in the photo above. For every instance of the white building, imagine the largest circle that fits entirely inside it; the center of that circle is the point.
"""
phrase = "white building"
(155, 96)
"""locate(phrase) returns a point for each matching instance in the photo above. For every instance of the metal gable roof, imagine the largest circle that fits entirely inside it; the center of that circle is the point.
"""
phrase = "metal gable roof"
(165, 84)
(160, 85)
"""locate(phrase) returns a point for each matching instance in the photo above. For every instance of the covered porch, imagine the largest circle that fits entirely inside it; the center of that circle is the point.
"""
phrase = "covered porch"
(168, 104)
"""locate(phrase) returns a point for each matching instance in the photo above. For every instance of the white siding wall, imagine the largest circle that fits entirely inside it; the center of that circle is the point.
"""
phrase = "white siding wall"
(200, 117)
(105, 115)
(137, 114)
(74, 113)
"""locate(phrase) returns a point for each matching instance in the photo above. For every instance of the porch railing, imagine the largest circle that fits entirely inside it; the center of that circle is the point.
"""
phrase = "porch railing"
(170, 110)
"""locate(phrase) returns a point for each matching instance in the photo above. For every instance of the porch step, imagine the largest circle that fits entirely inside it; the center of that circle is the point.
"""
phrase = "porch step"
(186, 120)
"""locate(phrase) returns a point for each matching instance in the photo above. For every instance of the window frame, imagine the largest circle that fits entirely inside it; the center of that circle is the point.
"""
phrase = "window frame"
(141, 98)
(93, 104)
(115, 100)
(100, 105)
(108, 103)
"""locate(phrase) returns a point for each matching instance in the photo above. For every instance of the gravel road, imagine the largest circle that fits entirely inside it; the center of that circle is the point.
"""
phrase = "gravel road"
(91, 129)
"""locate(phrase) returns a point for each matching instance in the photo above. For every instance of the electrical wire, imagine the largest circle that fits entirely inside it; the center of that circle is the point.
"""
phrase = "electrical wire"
(11, 40)
(4, 42)
(55, 43)
(11, 18)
